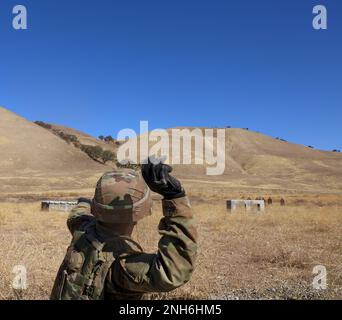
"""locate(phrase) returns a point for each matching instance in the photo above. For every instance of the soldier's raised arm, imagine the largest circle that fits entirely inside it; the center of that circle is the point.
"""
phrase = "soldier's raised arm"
(80, 215)
(172, 265)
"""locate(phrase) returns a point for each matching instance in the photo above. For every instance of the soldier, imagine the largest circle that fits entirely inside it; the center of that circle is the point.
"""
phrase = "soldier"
(103, 262)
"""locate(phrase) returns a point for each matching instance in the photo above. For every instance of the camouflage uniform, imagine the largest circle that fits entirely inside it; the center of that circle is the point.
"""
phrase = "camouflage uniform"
(130, 272)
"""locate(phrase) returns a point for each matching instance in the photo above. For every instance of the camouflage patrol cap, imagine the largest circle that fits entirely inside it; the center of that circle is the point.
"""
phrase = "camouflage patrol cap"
(121, 196)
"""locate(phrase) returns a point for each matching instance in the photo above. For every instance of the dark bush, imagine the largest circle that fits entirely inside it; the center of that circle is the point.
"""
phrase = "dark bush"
(43, 124)
(94, 152)
(108, 155)
(128, 165)
(108, 139)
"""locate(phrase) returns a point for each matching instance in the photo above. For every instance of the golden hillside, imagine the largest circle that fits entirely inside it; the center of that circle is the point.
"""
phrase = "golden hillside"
(256, 161)
(33, 158)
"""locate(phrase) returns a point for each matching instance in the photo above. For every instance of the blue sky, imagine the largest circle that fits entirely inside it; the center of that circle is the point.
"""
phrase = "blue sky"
(101, 66)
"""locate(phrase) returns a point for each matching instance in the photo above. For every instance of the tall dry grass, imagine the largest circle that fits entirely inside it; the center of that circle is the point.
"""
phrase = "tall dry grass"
(245, 255)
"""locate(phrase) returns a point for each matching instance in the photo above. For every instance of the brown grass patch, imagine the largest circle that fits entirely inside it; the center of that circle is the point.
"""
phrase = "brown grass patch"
(239, 252)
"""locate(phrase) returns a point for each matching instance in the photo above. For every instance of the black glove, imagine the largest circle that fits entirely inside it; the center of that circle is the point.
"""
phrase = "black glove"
(159, 180)
(84, 200)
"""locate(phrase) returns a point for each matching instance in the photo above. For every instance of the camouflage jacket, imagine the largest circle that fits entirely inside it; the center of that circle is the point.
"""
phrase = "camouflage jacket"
(134, 272)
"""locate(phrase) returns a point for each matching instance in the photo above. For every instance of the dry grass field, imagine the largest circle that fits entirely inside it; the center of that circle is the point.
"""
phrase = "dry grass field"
(242, 255)
(269, 255)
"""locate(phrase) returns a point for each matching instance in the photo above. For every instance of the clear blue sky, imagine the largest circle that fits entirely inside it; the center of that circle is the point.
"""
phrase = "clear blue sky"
(104, 65)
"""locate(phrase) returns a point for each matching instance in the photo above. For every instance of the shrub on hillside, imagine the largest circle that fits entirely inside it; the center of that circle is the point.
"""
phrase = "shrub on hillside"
(128, 165)
(108, 155)
(69, 138)
(43, 124)
(108, 139)
(94, 152)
